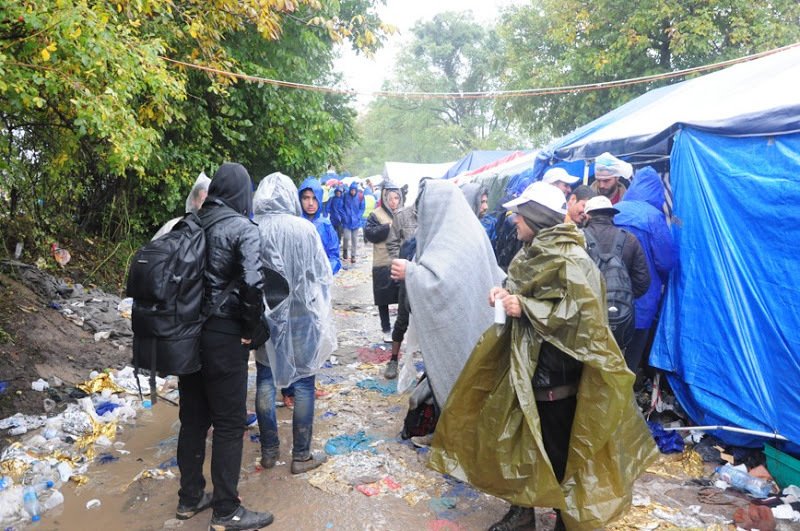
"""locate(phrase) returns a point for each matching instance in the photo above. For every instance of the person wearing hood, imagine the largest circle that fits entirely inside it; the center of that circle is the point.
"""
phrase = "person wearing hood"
(193, 203)
(384, 289)
(353, 209)
(336, 211)
(311, 203)
(303, 331)
(640, 213)
(216, 395)
(477, 197)
(548, 391)
(608, 170)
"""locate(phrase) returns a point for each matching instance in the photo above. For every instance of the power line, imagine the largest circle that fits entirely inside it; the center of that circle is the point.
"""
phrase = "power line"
(481, 94)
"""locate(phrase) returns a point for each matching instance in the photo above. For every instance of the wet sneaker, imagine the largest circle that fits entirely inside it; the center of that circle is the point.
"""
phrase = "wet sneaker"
(300, 467)
(269, 456)
(240, 519)
(422, 441)
(184, 512)
(387, 336)
(391, 370)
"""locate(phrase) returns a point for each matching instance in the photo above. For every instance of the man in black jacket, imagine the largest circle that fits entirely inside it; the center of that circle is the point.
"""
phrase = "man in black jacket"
(217, 394)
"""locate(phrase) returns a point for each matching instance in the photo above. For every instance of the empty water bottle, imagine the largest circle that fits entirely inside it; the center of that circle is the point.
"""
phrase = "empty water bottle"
(5, 482)
(31, 503)
(740, 480)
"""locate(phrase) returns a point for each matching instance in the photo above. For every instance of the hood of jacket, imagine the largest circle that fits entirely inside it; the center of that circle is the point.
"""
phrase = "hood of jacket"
(646, 186)
(353, 186)
(232, 185)
(473, 192)
(276, 194)
(200, 185)
(313, 184)
(387, 187)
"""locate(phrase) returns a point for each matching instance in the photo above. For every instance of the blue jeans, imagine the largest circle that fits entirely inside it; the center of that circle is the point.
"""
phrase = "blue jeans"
(302, 419)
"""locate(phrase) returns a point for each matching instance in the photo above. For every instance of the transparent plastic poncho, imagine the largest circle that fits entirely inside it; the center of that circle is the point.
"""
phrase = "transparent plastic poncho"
(303, 334)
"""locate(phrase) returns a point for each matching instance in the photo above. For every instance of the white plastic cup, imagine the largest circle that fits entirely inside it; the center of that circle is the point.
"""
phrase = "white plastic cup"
(499, 312)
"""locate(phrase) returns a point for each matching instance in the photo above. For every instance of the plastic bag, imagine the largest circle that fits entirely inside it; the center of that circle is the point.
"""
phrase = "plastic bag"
(407, 378)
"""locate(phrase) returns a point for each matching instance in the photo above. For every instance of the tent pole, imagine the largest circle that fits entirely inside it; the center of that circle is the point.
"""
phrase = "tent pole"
(730, 428)
(586, 172)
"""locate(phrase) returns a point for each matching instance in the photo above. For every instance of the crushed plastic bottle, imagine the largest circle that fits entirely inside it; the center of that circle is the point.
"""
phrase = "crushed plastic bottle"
(31, 503)
(55, 499)
(741, 480)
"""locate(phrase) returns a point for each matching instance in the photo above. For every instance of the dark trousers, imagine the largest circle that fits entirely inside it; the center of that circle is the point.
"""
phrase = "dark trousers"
(214, 396)
(635, 353)
(556, 418)
(386, 324)
(403, 313)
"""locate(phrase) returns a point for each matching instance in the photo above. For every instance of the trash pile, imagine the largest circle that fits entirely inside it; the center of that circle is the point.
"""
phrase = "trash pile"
(53, 450)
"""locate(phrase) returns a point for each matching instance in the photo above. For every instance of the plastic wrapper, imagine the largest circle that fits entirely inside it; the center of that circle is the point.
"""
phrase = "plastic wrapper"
(303, 334)
(492, 405)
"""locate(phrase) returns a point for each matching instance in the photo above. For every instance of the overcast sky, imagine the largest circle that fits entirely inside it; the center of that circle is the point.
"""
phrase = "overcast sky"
(367, 75)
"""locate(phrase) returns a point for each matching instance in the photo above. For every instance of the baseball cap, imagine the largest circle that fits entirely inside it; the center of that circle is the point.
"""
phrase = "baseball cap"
(542, 193)
(553, 175)
(600, 203)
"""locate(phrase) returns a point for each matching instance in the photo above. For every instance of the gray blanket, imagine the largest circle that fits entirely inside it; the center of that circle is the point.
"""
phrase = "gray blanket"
(448, 283)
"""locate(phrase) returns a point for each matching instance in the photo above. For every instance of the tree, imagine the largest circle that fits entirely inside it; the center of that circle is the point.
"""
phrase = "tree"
(90, 106)
(568, 42)
(450, 53)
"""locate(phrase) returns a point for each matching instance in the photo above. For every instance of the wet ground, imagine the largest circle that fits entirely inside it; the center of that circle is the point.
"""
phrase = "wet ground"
(384, 487)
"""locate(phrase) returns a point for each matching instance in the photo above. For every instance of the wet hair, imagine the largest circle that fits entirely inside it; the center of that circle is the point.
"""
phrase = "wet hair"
(583, 192)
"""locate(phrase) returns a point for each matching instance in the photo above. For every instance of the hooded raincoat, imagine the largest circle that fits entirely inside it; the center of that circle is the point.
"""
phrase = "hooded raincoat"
(453, 270)
(353, 208)
(384, 289)
(330, 240)
(336, 206)
(201, 183)
(489, 433)
(640, 213)
(303, 334)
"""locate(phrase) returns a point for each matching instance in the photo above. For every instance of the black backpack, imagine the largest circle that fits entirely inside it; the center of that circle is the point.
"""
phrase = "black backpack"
(619, 290)
(166, 282)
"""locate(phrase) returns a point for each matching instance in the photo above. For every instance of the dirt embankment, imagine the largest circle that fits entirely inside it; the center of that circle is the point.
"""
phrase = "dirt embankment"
(37, 341)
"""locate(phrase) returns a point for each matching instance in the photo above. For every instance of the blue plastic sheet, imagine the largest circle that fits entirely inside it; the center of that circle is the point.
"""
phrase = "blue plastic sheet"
(669, 442)
(385, 388)
(728, 335)
(344, 444)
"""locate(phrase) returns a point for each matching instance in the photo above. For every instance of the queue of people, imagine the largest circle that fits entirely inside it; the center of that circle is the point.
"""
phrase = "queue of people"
(548, 388)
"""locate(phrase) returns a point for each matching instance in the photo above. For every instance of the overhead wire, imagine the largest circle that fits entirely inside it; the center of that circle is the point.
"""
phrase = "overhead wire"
(479, 94)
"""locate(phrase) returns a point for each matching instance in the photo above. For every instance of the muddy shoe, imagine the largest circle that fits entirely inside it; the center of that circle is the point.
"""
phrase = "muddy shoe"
(300, 467)
(516, 519)
(422, 441)
(240, 519)
(391, 370)
(184, 512)
(269, 456)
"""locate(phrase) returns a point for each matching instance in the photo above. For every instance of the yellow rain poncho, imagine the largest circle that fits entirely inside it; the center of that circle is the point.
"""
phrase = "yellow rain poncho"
(489, 432)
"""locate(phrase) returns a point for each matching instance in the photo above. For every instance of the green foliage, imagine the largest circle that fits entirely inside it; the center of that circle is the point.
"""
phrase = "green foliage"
(567, 42)
(100, 133)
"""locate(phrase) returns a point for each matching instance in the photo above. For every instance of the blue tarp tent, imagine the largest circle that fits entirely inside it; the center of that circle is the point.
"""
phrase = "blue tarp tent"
(474, 160)
(729, 335)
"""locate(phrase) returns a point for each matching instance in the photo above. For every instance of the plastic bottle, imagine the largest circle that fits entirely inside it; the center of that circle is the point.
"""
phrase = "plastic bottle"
(31, 503)
(738, 479)
(55, 499)
(5, 482)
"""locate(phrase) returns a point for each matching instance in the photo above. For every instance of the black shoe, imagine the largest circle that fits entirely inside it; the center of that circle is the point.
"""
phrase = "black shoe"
(184, 512)
(240, 519)
(269, 456)
(517, 519)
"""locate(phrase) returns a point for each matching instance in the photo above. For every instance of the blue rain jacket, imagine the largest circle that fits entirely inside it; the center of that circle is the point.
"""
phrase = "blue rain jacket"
(336, 206)
(353, 209)
(640, 213)
(330, 240)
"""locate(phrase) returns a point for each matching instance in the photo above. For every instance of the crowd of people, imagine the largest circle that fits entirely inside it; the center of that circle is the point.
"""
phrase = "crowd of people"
(535, 407)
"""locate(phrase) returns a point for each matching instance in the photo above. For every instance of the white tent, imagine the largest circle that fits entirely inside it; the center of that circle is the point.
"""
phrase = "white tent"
(402, 173)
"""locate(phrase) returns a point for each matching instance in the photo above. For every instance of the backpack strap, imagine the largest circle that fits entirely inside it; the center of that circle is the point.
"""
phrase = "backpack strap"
(591, 245)
(619, 243)
(220, 213)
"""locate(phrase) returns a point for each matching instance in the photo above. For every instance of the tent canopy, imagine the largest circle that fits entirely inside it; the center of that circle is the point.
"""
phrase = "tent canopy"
(473, 160)
(758, 97)
(401, 173)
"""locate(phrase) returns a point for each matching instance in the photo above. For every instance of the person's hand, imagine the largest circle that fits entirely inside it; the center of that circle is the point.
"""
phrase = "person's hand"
(512, 306)
(496, 293)
(399, 269)
(246, 341)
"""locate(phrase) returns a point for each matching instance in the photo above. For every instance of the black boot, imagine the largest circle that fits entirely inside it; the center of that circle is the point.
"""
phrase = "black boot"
(516, 519)
(240, 519)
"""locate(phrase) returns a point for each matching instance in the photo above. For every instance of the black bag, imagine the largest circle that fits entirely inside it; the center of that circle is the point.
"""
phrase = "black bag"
(619, 290)
(166, 282)
(421, 420)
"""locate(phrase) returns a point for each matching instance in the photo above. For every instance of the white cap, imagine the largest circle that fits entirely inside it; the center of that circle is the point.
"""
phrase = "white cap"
(540, 192)
(599, 202)
(554, 175)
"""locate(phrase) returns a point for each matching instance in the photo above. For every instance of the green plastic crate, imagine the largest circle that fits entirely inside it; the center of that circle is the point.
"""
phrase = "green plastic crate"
(784, 468)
